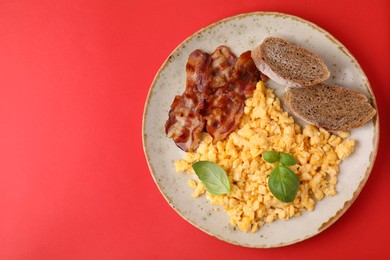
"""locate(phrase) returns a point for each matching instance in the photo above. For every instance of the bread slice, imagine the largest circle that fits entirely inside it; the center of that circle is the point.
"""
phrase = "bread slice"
(289, 64)
(329, 106)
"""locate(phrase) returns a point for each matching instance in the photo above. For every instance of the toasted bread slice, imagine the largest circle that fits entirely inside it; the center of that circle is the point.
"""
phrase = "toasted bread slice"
(329, 106)
(289, 64)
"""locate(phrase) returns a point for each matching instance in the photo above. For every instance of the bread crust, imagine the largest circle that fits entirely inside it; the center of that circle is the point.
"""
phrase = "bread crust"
(289, 64)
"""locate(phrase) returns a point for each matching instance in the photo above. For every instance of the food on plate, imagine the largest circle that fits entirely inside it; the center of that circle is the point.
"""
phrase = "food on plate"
(213, 177)
(216, 88)
(249, 155)
(226, 105)
(289, 64)
(185, 122)
(265, 127)
(329, 106)
(282, 182)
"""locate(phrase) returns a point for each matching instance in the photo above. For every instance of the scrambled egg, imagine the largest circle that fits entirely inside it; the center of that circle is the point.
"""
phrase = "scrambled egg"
(265, 127)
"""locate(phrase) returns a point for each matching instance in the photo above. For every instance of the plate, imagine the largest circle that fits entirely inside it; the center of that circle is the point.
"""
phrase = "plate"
(240, 33)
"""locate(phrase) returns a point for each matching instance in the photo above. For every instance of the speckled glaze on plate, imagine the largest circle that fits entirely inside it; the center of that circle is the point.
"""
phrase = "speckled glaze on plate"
(241, 33)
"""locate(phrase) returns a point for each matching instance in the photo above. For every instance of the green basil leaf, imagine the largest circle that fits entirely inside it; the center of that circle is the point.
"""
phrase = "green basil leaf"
(287, 159)
(213, 177)
(283, 183)
(270, 156)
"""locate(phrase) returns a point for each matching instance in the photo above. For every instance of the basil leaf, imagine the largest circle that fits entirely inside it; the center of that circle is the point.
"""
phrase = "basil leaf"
(283, 183)
(213, 177)
(287, 159)
(270, 156)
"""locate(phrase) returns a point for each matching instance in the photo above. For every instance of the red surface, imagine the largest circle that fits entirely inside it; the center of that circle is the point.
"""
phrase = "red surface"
(74, 183)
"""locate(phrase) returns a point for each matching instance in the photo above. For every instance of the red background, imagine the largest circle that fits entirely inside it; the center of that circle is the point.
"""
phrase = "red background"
(74, 76)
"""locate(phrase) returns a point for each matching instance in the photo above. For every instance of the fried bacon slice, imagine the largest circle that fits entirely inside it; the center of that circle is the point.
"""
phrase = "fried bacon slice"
(222, 66)
(226, 106)
(185, 123)
(246, 75)
(216, 88)
(199, 73)
(223, 113)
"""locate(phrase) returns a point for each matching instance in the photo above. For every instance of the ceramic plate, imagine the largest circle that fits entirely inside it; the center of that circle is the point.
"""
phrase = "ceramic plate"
(241, 33)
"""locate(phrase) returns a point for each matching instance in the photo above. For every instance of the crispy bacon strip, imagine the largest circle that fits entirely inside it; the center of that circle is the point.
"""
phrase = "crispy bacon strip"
(226, 107)
(246, 75)
(216, 88)
(223, 113)
(185, 123)
(222, 66)
(199, 73)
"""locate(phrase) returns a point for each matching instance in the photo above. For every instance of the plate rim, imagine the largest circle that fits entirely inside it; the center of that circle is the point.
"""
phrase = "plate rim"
(374, 121)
